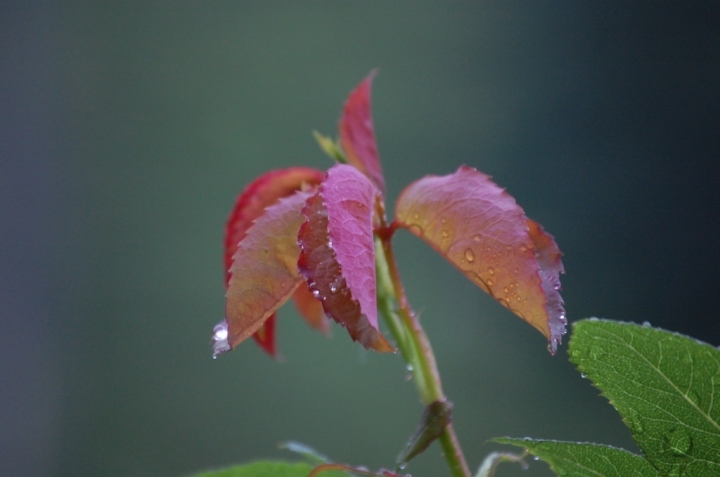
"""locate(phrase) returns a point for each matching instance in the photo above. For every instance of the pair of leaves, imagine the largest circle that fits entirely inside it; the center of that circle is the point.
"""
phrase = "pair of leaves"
(297, 232)
(319, 239)
(665, 386)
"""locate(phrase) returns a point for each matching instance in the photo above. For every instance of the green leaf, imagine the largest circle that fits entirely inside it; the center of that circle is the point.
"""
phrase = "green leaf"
(665, 386)
(585, 460)
(267, 469)
(435, 419)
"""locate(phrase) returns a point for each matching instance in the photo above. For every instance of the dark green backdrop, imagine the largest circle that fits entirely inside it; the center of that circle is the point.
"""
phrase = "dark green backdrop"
(127, 129)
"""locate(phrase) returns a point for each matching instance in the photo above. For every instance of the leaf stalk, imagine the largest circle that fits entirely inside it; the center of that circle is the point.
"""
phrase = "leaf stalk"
(413, 343)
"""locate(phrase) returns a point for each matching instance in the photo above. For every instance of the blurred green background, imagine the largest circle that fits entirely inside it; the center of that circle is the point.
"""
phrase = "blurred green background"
(127, 129)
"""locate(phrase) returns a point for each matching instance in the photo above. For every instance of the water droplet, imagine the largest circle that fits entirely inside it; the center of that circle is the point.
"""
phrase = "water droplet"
(491, 271)
(316, 293)
(678, 442)
(477, 238)
(506, 290)
(469, 255)
(582, 375)
(646, 324)
(445, 234)
(522, 248)
(401, 466)
(536, 457)
(219, 337)
(333, 288)
(489, 282)
(416, 229)
(329, 244)
(409, 367)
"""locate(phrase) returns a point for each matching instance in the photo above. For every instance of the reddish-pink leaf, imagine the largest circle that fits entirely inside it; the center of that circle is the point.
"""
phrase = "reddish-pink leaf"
(357, 134)
(480, 229)
(330, 281)
(264, 270)
(250, 204)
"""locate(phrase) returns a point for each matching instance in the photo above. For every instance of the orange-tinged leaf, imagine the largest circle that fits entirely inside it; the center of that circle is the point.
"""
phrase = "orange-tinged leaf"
(260, 194)
(481, 230)
(250, 204)
(310, 309)
(323, 274)
(357, 134)
(264, 270)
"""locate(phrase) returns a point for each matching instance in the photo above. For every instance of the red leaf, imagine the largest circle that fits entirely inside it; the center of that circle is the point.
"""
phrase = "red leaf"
(340, 233)
(250, 204)
(264, 270)
(357, 134)
(480, 229)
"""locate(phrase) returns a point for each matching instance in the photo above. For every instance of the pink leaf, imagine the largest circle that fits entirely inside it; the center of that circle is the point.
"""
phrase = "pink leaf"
(264, 270)
(480, 229)
(357, 134)
(337, 254)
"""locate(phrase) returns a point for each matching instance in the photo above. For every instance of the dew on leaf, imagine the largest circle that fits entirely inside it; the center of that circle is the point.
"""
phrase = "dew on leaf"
(489, 282)
(491, 271)
(469, 255)
(646, 324)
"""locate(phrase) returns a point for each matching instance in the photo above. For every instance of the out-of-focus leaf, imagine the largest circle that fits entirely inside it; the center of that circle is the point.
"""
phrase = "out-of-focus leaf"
(319, 265)
(435, 419)
(304, 450)
(357, 134)
(264, 269)
(481, 230)
(586, 460)
(326, 468)
(665, 386)
(330, 147)
(267, 469)
(250, 204)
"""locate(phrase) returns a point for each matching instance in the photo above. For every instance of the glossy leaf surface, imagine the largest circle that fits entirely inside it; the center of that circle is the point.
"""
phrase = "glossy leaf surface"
(264, 269)
(666, 387)
(319, 265)
(357, 134)
(481, 230)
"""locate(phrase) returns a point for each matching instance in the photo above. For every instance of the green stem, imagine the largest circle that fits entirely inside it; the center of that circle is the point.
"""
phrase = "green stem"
(414, 345)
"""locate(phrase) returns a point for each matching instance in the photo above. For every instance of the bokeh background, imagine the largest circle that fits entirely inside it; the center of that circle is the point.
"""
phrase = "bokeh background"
(128, 128)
